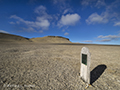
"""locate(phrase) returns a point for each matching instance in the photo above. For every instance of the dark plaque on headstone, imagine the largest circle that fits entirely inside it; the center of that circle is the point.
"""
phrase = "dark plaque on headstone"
(84, 59)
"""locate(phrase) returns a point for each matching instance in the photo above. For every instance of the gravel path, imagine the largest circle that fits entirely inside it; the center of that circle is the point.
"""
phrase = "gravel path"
(56, 67)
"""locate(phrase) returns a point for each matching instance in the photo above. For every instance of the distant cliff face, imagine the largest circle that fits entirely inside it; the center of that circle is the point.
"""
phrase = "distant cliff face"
(51, 39)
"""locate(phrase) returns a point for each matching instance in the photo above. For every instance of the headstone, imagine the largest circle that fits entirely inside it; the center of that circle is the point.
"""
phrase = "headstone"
(85, 65)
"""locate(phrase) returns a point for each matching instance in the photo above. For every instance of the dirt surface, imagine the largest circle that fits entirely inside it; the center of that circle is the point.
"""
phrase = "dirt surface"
(34, 66)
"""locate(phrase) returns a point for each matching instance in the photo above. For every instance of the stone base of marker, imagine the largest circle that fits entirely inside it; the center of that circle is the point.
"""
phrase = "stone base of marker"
(88, 85)
(85, 65)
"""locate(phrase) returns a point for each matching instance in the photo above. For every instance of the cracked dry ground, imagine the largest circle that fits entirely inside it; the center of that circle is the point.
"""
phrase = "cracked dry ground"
(31, 66)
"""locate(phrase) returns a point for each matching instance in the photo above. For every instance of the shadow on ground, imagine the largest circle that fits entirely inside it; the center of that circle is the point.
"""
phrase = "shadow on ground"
(97, 72)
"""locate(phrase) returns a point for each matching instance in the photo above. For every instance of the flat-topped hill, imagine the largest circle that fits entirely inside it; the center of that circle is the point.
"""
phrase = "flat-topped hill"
(51, 39)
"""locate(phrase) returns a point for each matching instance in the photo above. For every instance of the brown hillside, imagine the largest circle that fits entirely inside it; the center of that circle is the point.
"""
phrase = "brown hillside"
(51, 39)
(12, 38)
(4, 37)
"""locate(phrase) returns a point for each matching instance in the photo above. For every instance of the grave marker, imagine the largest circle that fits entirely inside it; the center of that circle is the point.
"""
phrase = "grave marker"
(85, 65)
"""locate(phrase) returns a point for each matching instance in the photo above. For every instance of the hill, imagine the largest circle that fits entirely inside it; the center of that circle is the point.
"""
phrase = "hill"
(4, 37)
(51, 39)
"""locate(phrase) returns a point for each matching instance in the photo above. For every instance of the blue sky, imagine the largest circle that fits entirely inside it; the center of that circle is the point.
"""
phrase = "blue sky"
(83, 21)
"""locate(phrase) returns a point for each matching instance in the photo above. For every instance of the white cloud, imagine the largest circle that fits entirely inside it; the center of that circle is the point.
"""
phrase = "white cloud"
(86, 2)
(40, 23)
(93, 3)
(104, 40)
(109, 15)
(2, 31)
(63, 30)
(67, 10)
(29, 29)
(40, 9)
(41, 31)
(112, 9)
(58, 1)
(44, 23)
(108, 38)
(69, 19)
(95, 18)
(11, 22)
(100, 3)
(16, 17)
(66, 33)
(62, 5)
(89, 41)
(117, 24)
(55, 1)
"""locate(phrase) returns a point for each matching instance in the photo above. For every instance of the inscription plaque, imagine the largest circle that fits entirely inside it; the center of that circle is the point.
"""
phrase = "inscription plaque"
(84, 59)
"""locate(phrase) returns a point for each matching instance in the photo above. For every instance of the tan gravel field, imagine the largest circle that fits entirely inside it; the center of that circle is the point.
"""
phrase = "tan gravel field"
(34, 66)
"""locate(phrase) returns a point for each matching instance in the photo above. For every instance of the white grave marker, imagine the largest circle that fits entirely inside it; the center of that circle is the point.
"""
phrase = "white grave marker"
(85, 65)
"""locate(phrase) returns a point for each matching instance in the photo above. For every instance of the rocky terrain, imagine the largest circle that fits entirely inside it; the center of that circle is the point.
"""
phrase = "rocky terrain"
(37, 66)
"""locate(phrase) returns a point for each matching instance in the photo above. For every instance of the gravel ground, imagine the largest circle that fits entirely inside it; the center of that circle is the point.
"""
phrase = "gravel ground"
(33, 66)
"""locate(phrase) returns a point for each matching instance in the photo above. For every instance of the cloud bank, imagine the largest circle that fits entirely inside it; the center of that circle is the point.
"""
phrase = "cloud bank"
(108, 38)
(41, 23)
(93, 3)
(95, 18)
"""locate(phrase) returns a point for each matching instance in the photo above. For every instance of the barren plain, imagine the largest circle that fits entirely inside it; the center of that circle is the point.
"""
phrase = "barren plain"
(35, 66)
